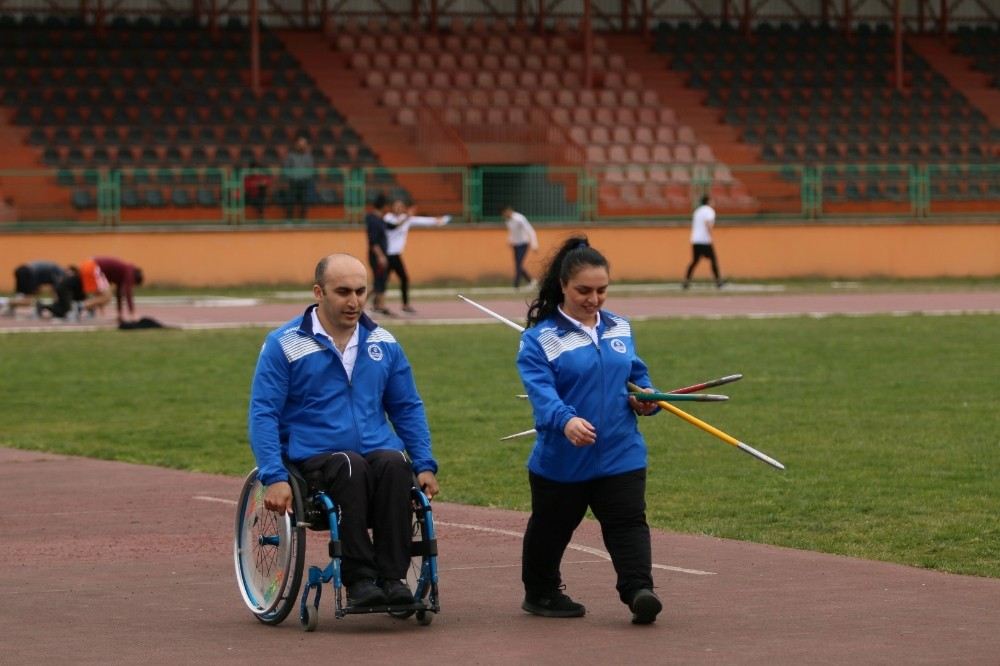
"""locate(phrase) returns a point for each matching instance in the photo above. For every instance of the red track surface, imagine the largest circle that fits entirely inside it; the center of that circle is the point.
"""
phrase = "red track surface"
(205, 314)
(117, 563)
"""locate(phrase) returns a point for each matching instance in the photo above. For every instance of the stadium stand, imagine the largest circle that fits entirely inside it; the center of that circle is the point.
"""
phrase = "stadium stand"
(167, 105)
(520, 97)
(170, 97)
(811, 95)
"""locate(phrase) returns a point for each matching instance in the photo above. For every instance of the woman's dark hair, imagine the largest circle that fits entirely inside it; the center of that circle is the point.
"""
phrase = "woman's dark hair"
(575, 253)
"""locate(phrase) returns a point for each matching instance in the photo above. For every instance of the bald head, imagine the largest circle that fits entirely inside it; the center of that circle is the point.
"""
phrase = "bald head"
(335, 265)
(341, 290)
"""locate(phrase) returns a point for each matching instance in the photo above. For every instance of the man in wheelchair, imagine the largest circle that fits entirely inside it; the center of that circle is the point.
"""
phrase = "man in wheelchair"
(326, 387)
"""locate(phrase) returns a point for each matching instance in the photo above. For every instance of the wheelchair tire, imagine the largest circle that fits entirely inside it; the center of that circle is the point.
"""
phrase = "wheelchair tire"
(269, 554)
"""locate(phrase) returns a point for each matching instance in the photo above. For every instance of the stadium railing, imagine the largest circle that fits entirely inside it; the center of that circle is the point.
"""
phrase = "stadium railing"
(222, 196)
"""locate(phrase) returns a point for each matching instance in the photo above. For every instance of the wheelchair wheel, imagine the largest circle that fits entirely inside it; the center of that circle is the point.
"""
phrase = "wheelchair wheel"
(412, 571)
(419, 569)
(269, 553)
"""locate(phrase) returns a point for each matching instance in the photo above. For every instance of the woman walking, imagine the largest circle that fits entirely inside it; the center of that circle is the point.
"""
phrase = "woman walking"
(575, 360)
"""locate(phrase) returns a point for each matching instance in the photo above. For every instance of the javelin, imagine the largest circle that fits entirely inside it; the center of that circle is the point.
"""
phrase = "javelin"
(498, 317)
(712, 430)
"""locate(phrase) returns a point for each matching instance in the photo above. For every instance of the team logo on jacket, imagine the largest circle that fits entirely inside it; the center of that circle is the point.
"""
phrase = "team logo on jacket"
(618, 345)
(375, 352)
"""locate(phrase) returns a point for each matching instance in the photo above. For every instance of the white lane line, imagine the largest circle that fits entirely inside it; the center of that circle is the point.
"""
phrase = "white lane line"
(493, 530)
(207, 498)
(574, 546)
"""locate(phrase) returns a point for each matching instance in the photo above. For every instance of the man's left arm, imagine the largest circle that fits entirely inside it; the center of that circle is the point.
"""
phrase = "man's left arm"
(406, 412)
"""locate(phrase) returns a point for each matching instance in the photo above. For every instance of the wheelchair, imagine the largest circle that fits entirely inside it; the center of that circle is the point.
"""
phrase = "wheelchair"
(269, 552)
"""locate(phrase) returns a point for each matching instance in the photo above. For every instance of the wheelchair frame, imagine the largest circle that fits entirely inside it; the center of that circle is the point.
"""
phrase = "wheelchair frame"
(269, 555)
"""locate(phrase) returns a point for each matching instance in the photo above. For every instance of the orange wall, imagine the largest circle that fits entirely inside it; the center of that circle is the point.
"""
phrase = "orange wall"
(467, 253)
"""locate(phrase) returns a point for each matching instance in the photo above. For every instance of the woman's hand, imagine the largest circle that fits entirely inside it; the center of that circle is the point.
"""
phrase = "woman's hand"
(642, 407)
(579, 432)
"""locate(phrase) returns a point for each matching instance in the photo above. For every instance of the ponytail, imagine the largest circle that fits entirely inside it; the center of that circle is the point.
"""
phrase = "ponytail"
(574, 254)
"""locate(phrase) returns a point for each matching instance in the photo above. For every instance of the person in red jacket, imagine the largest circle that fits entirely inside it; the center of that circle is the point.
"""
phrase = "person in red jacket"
(125, 277)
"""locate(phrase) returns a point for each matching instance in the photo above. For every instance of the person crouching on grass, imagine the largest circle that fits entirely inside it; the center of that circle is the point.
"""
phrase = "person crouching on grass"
(574, 361)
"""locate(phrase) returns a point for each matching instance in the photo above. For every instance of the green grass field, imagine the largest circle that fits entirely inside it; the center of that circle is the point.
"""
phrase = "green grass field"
(888, 425)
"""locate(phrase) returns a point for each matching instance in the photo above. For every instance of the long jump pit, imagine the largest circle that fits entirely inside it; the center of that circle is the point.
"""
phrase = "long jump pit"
(117, 563)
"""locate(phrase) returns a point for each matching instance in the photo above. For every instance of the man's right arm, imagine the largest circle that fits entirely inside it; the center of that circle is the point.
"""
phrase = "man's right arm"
(267, 400)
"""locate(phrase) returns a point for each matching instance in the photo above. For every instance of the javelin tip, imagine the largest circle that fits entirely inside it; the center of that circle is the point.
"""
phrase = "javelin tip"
(763, 457)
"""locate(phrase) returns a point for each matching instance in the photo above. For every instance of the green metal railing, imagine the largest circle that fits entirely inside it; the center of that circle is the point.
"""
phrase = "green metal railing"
(213, 196)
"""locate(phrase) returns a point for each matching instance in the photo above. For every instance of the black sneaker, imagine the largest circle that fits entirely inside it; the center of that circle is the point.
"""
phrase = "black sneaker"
(645, 607)
(365, 592)
(397, 592)
(553, 604)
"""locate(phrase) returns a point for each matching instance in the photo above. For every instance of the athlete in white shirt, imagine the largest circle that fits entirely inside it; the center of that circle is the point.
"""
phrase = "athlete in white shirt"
(702, 222)
(397, 226)
(521, 237)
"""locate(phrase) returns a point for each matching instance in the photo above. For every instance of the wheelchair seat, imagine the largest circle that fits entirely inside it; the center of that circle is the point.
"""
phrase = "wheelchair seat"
(269, 555)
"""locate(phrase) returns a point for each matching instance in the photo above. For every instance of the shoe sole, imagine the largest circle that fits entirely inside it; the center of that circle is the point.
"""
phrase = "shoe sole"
(547, 612)
(645, 609)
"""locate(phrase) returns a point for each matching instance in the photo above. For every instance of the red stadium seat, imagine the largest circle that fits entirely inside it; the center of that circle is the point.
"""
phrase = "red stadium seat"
(550, 80)
(544, 98)
(680, 174)
(618, 154)
(596, 155)
(665, 135)
(658, 174)
(622, 135)
(506, 79)
(686, 135)
(703, 154)
(653, 193)
(406, 117)
(500, 97)
(425, 61)
(644, 135)
(614, 175)
(600, 134)
(479, 97)
(604, 116)
(578, 135)
(528, 80)
(517, 115)
(360, 61)
(626, 116)
(613, 80)
(392, 98)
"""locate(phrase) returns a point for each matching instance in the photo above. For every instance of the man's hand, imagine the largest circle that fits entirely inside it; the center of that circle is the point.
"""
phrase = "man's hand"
(428, 483)
(278, 497)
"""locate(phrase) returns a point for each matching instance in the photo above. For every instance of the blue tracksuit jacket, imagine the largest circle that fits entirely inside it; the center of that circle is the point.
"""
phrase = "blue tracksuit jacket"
(566, 375)
(302, 403)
